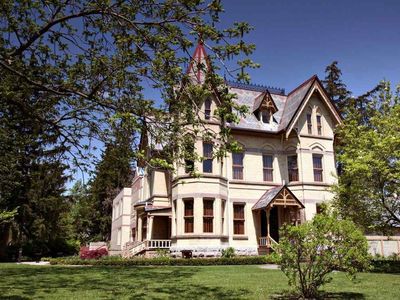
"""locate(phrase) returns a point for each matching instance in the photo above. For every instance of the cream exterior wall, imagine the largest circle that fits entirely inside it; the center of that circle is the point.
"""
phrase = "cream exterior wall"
(120, 227)
(162, 190)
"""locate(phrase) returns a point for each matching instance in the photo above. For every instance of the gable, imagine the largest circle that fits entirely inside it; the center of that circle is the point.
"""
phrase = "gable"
(295, 109)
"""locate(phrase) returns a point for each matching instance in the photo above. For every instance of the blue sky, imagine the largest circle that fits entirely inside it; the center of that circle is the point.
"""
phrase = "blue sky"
(298, 38)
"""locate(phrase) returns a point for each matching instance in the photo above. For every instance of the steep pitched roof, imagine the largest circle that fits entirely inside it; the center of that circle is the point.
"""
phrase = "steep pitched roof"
(271, 195)
(293, 101)
(199, 63)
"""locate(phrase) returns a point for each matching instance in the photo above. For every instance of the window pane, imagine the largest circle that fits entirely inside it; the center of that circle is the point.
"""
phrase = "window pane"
(237, 158)
(292, 168)
(208, 224)
(208, 206)
(207, 166)
(238, 211)
(207, 109)
(188, 208)
(319, 125)
(189, 224)
(317, 165)
(317, 161)
(309, 124)
(265, 115)
(267, 161)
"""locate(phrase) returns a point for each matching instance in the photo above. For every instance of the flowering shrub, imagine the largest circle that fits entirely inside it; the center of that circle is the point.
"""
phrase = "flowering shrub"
(85, 253)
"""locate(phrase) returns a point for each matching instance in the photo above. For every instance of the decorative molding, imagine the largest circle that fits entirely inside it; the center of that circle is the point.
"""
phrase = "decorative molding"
(313, 136)
(240, 237)
(200, 195)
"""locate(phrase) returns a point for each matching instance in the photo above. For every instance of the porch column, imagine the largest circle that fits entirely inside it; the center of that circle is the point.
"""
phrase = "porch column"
(149, 227)
(267, 213)
(139, 229)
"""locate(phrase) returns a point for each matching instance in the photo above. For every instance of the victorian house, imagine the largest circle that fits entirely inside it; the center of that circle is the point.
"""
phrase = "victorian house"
(282, 175)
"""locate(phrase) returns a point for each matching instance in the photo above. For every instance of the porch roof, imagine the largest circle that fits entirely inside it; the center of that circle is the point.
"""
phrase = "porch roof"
(153, 208)
(280, 195)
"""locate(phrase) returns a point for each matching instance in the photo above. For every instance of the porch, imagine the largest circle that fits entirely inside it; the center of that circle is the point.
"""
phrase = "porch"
(141, 247)
(278, 206)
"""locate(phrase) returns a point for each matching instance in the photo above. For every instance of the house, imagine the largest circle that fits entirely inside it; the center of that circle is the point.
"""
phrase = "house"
(282, 175)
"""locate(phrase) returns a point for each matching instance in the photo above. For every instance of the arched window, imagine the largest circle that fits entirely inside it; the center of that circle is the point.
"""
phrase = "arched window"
(309, 123)
(207, 109)
(319, 124)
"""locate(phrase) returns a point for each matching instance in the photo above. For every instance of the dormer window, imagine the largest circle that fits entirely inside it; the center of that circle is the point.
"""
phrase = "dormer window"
(207, 109)
(266, 116)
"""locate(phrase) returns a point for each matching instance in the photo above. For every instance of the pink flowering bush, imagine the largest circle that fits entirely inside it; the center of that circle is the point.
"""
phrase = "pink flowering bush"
(85, 253)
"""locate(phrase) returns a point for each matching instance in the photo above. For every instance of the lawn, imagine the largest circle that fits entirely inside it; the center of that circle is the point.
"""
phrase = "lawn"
(211, 282)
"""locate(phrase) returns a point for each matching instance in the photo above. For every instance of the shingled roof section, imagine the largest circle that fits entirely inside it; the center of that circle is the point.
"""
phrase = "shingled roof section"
(267, 198)
(270, 195)
(293, 102)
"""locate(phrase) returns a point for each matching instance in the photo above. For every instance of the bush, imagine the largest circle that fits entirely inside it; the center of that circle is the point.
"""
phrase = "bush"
(85, 253)
(228, 252)
(163, 261)
(311, 251)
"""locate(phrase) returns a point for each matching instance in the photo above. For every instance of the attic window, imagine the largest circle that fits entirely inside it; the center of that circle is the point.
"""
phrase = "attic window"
(266, 116)
(207, 109)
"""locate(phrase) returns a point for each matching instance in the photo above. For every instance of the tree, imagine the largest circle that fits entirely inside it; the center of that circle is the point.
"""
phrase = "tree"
(368, 189)
(312, 250)
(335, 87)
(113, 172)
(68, 68)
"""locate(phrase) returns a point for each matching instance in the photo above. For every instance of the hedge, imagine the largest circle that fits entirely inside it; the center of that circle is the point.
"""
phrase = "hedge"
(164, 261)
(385, 266)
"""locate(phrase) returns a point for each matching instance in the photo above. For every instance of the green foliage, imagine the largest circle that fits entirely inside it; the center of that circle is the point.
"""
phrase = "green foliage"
(7, 216)
(335, 87)
(369, 152)
(161, 261)
(228, 252)
(311, 251)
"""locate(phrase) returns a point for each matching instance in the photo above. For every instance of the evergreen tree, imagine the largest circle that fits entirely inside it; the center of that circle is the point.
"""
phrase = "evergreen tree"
(335, 88)
(113, 172)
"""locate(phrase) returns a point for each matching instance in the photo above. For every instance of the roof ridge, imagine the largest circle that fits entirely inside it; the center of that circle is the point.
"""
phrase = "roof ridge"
(304, 83)
(256, 87)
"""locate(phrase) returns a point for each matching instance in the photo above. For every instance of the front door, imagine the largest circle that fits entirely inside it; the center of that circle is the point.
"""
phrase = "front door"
(274, 224)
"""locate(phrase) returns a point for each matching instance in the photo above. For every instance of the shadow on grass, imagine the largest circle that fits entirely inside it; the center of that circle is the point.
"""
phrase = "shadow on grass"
(109, 282)
(323, 295)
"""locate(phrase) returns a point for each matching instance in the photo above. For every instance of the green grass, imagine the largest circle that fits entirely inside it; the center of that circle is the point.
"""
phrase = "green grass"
(210, 282)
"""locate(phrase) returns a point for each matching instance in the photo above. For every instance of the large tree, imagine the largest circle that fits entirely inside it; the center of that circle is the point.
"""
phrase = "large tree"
(68, 67)
(335, 87)
(369, 150)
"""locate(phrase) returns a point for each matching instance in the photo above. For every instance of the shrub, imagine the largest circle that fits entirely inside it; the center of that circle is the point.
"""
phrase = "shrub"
(162, 261)
(228, 252)
(311, 251)
(85, 253)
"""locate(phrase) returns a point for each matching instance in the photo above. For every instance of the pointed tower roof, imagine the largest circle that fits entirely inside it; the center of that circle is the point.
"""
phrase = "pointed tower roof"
(199, 63)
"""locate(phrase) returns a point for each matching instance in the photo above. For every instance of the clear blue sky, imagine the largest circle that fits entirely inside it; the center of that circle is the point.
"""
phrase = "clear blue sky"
(298, 38)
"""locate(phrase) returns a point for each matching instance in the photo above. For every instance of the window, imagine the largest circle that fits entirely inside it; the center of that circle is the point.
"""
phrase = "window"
(292, 168)
(237, 166)
(222, 216)
(208, 157)
(208, 215)
(207, 109)
(319, 125)
(309, 124)
(238, 218)
(267, 168)
(317, 164)
(189, 218)
(266, 116)
(189, 154)
(319, 208)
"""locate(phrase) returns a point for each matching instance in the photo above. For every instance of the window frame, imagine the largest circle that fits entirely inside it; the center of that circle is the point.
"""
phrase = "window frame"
(239, 220)
(267, 169)
(237, 167)
(208, 220)
(208, 157)
(318, 170)
(319, 124)
(293, 171)
(188, 219)
(207, 109)
(309, 123)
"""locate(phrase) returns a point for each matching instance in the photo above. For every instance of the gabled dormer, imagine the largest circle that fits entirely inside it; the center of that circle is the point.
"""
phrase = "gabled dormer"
(264, 108)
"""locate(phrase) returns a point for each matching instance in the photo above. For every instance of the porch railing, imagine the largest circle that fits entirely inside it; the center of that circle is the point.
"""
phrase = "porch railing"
(267, 241)
(158, 244)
